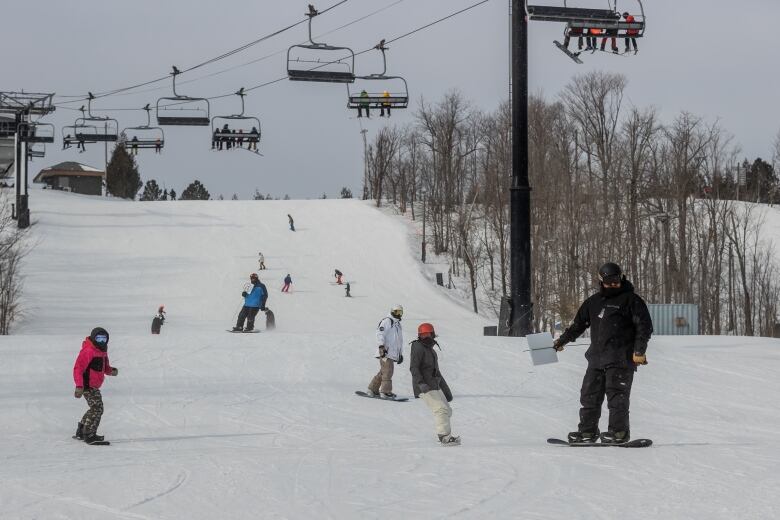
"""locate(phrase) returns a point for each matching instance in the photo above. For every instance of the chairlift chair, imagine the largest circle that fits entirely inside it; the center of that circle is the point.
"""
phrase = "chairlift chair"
(31, 132)
(79, 133)
(613, 24)
(320, 70)
(38, 151)
(170, 115)
(110, 131)
(144, 137)
(245, 128)
(396, 96)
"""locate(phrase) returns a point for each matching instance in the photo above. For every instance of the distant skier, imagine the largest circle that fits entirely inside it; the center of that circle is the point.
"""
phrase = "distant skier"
(338, 274)
(260, 261)
(429, 384)
(292, 222)
(620, 329)
(158, 320)
(91, 367)
(346, 289)
(390, 340)
(254, 302)
(270, 320)
(287, 283)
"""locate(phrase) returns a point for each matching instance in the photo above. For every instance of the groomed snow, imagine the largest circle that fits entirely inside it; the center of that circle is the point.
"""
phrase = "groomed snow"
(210, 425)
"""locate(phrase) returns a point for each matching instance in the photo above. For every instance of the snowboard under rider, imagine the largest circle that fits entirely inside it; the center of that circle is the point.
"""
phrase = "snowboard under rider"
(620, 328)
(90, 369)
(429, 384)
(158, 320)
(390, 341)
(254, 302)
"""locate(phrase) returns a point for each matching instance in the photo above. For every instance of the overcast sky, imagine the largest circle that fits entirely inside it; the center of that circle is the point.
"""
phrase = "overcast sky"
(713, 58)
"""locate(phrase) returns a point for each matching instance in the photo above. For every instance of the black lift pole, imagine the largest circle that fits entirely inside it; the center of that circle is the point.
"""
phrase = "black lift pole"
(520, 192)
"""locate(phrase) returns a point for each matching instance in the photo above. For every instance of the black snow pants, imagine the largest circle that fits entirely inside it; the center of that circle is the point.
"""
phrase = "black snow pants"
(248, 314)
(615, 383)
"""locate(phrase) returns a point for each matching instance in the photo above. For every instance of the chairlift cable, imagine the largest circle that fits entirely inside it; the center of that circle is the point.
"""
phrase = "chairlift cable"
(207, 62)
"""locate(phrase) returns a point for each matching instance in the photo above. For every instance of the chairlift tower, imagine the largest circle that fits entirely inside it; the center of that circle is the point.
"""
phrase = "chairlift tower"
(516, 318)
(23, 106)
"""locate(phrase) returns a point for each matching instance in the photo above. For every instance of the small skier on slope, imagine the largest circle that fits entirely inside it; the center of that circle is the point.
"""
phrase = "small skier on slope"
(254, 302)
(158, 320)
(90, 369)
(338, 274)
(390, 341)
(429, 384)
(287, 283)
(620, 329)
(260, 261)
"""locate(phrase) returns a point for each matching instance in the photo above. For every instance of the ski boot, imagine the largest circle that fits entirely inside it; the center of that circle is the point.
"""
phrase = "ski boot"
(79, 432)
(447, 440)
(583, 437)
(615, 437)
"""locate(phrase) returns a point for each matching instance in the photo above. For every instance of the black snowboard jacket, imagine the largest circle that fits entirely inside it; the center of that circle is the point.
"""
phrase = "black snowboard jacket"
(620, 325)
(424, 366)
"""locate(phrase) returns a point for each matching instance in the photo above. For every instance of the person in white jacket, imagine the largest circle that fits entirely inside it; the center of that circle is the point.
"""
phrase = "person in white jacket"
(261, 261)
(390, 340)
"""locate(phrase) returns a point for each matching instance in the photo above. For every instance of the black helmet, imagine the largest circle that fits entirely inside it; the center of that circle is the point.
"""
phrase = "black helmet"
(99, 338)
(610, 272)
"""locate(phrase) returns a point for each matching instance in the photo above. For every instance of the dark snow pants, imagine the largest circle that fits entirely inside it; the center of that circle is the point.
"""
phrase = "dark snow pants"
(91, 419)
(615, 383)
(248, 314)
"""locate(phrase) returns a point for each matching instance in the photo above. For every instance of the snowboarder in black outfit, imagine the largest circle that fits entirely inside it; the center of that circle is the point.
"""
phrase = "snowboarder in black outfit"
(158, 320)
(620, 329)
(291, 221)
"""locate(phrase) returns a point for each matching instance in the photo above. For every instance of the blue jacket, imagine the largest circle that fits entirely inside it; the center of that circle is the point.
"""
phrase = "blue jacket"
(257, 296)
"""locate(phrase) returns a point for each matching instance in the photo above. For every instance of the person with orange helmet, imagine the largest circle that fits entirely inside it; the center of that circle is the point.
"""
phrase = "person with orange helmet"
(429, 384)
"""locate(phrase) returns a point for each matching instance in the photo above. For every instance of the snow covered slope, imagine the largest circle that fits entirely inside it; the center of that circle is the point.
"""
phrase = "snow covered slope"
(211, 425)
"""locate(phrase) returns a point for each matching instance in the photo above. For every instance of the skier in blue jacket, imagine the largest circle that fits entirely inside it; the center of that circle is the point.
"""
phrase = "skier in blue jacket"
(254, 302)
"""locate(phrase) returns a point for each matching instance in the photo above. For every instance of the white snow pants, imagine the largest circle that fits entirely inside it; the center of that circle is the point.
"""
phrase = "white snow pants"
(441, 410)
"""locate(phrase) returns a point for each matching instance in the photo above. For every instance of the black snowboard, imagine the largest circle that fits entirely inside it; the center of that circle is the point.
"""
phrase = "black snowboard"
(243, 331)
(96, 443)
(635, 443)
(398, 399)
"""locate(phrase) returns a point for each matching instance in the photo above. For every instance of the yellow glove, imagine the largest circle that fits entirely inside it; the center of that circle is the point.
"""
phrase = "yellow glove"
(640, 359)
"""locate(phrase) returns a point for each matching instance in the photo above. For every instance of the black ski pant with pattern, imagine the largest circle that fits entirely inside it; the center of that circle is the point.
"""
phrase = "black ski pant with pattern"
(91, 419)
(615, 383)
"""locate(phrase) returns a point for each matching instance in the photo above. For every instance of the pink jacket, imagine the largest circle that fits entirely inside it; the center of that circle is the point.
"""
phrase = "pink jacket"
(91, 366)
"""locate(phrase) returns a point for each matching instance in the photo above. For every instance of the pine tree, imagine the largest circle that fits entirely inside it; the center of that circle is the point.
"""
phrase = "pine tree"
(123, 179)
(286, 197)
(324, 195)
(152, 191)
(258, 195)
(346, 193)
(172, 194)
(164, 195)
(195, 191)
(234, 197)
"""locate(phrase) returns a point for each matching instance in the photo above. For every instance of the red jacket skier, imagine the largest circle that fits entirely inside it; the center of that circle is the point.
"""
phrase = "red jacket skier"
(89, 371)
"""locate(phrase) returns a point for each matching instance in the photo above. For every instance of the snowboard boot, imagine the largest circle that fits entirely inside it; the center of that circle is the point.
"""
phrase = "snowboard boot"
(79, 432)
(449, 439)
(371, 393)
(389, 395)
(237, 329)
(615, 437)
(583, 437)
(248, 329)
(92, 439)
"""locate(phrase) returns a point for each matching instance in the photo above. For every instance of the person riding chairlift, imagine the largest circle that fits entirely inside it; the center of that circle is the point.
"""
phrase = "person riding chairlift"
(630, 33)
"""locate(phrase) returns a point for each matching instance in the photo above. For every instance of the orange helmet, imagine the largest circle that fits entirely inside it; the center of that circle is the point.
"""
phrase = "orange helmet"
(425, 330)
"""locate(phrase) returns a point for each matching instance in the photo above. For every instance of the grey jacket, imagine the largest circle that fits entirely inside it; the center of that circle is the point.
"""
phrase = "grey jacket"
(424, 367)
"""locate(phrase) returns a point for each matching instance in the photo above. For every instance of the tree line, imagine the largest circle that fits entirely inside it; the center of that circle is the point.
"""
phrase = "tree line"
(669, 201)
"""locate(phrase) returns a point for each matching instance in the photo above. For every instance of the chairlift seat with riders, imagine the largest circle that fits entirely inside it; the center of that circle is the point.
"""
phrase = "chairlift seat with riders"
(245, 128)
(339, 67)
(178, 110)
(78, 133)
(144, 136)
(391, 91)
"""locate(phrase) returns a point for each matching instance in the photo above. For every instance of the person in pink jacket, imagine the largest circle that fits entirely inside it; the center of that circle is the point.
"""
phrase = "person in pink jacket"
(91, 367)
